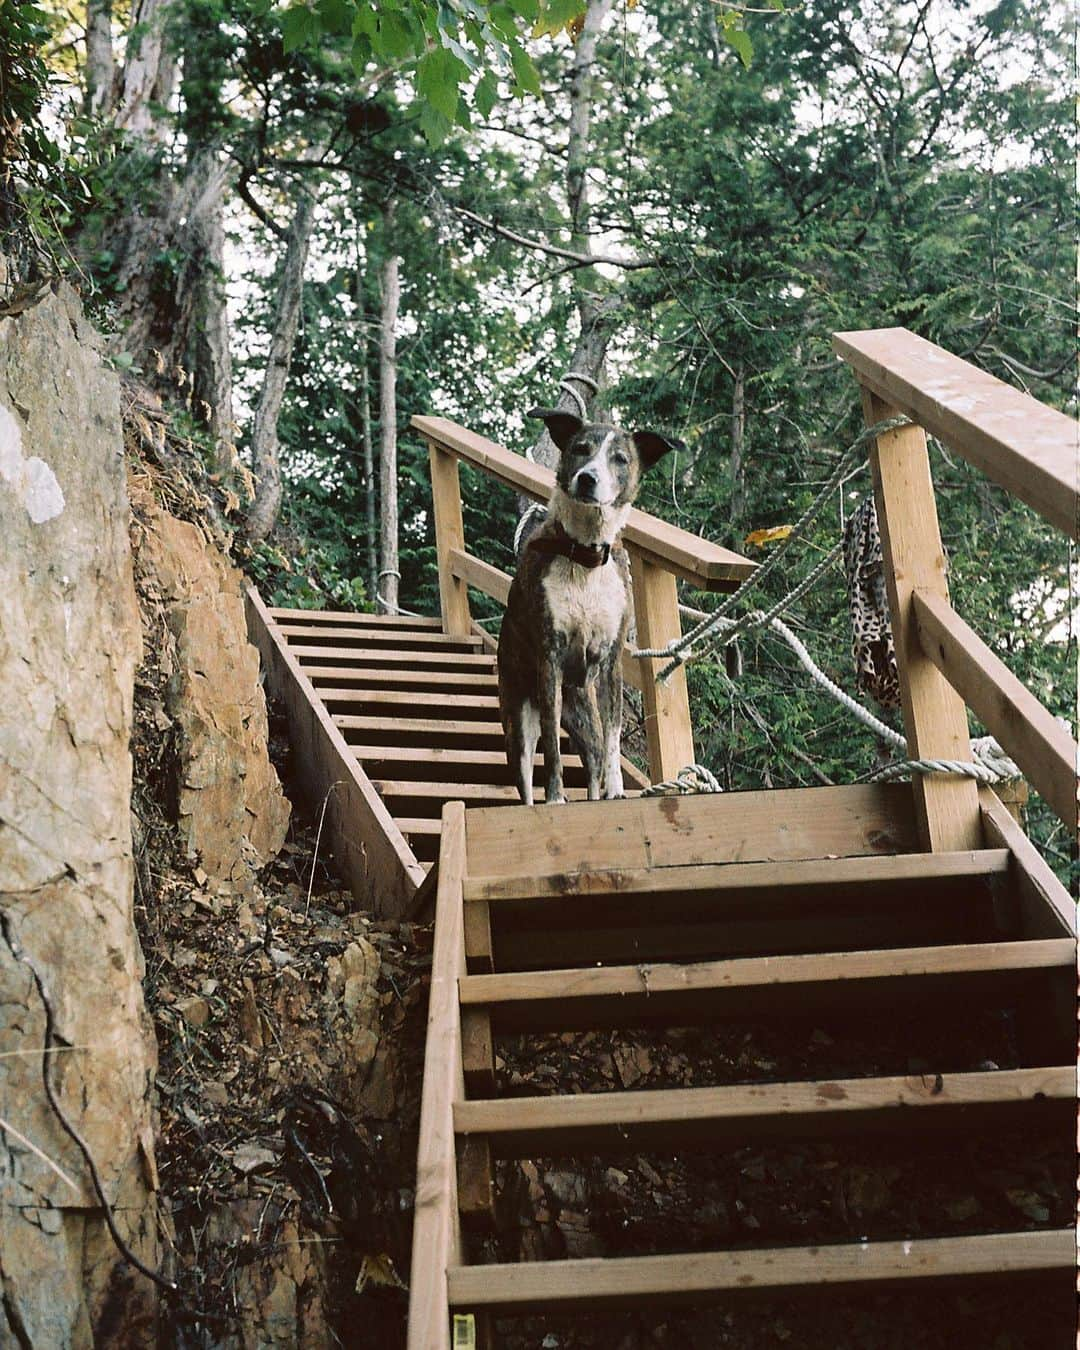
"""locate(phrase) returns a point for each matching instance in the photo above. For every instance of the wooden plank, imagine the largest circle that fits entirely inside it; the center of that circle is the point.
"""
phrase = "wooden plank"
(1046, 908)
(436, 1229)
(348, 677)
(359, 658)
(805, 875)
(452, 705)
(419, 825)
(934, 717)
(668, 728)
(707, 565)
(476, 1184)
(707, 828)
(488, 793)
(420, 726)
(602, 1283)
(437, 757)
(607, 1123)
(483, 576)
(479, 953)
(353, 618)
(756, 986)
(1039, 744)
(478, 1052)
(381, 868)
(449, 537)
(1029, 449)
(363, 637)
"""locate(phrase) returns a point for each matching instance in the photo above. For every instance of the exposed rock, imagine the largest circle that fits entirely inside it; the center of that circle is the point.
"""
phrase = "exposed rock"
(231, 810)
(69, 643)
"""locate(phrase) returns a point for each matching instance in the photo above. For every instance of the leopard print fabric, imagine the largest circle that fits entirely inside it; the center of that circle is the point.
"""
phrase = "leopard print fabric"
(871, 628)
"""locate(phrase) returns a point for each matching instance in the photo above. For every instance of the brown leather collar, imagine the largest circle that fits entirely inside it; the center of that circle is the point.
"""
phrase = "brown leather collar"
(561, 545)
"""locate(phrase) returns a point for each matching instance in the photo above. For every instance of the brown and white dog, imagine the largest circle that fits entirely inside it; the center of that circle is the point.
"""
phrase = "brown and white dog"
(567, 615)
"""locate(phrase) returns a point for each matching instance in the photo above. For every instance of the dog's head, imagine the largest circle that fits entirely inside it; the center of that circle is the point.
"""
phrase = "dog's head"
(599, 464)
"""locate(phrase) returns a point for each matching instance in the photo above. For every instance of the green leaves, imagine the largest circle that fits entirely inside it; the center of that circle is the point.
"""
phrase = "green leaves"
(458, 50)
(735, 35)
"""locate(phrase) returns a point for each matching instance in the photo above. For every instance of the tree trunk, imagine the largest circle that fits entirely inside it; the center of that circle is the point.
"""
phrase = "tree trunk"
(369, 470)
(265, 463)
(100, 66)
(738, 451)
(389, 576)
(210, 351)
(597, 316)
(146, 74)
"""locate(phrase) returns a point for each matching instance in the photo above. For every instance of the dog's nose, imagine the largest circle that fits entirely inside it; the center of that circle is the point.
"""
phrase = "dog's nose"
(585, 483)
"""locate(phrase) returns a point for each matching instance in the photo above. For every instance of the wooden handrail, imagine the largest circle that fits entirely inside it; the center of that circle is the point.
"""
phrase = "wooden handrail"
(1025, 729)
(704, 564)
(1030, 450)
(1024, 446)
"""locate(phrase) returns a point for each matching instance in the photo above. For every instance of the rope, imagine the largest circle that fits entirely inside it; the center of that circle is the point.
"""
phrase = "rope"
(690, 779)
(677, 649)
(389, 605)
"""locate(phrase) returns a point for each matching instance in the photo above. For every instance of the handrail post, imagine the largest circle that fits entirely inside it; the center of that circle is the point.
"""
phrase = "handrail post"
(935, 720)
(668, 728)
(449, 534)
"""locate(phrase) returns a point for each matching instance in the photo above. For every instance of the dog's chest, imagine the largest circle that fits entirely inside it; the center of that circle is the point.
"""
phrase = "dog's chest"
(589, 603)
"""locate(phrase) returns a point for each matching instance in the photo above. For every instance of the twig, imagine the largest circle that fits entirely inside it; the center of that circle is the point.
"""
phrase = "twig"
(8, 1128)
(318, 837)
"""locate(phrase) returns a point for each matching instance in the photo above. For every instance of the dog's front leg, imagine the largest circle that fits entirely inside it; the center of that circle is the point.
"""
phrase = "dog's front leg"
(522, 730)
(550, 724)
(610, 700)
(583, 721)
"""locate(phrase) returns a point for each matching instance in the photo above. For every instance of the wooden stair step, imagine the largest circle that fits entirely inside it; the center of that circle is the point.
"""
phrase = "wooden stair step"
(357, 677)
(599, 1283)
(453, 706)
(419, 825)
(812, 873)
(360, 658)
(353, 619)
(420, 727)
(418, 764)
(678, 994)
(665, 1120)
(435, 793)
(425, 641)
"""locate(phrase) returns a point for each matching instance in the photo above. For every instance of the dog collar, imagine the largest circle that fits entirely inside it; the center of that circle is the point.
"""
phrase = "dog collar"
(585, 555)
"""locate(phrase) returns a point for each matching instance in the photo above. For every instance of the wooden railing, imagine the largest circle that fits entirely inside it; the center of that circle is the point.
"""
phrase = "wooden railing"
(660, 554)
(1031, 451)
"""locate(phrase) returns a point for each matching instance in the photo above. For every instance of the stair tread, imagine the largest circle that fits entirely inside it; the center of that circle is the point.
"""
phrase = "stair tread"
(408, 698)
(354, 618)
(599, 1281)
(361, 657)
(572, 997)
(626, 882)
(424, 639)
(666, 1118)
(441, 755)
(360, 677)
(452, 792)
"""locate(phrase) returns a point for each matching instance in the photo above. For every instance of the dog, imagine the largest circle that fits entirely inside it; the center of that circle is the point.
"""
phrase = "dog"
(568, 612)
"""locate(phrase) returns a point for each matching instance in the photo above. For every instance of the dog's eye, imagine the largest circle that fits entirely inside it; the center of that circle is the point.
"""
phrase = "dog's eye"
(619, 458)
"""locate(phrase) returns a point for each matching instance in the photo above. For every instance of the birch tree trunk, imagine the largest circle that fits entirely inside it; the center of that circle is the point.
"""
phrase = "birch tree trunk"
(148, 70)
(369, 472)
(100, 65)
(390, 287)
(597, 316)
(738, 450)
(265, 461)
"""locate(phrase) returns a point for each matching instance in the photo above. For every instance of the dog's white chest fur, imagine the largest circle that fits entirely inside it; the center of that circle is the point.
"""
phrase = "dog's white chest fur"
(589, 602)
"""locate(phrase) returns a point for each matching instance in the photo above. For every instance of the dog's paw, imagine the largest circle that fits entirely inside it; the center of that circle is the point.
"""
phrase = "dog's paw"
(555, 801)
(614, 796)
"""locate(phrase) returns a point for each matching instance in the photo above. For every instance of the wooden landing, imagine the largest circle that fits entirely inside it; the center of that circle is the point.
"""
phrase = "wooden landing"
(779, 908)
(391, 718)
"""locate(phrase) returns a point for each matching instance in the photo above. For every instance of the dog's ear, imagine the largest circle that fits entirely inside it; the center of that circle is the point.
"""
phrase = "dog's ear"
(562, 426)
(651, 446)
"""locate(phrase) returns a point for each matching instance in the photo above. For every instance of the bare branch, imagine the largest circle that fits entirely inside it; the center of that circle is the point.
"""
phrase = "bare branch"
(553, 250)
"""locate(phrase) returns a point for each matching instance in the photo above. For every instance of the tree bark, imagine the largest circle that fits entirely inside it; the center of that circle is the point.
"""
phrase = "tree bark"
(145, 72)
(390, 287)
(265, 461)
(370, 512)
(597, 316)
(738, 450)
(100, 65)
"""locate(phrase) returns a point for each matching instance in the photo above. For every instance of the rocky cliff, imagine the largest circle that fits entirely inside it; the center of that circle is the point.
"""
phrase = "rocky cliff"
(69, 644)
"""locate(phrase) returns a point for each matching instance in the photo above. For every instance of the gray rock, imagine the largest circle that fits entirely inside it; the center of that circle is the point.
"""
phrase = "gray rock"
(69, 643)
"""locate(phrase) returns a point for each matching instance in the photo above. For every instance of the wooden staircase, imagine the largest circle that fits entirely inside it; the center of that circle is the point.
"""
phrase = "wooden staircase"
(763, 907)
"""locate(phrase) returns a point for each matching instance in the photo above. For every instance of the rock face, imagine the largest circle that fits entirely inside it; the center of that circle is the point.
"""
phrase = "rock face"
(231, 810)
(69, 643)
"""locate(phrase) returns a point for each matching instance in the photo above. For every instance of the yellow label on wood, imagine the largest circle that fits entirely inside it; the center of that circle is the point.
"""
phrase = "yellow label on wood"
(464, 1331)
